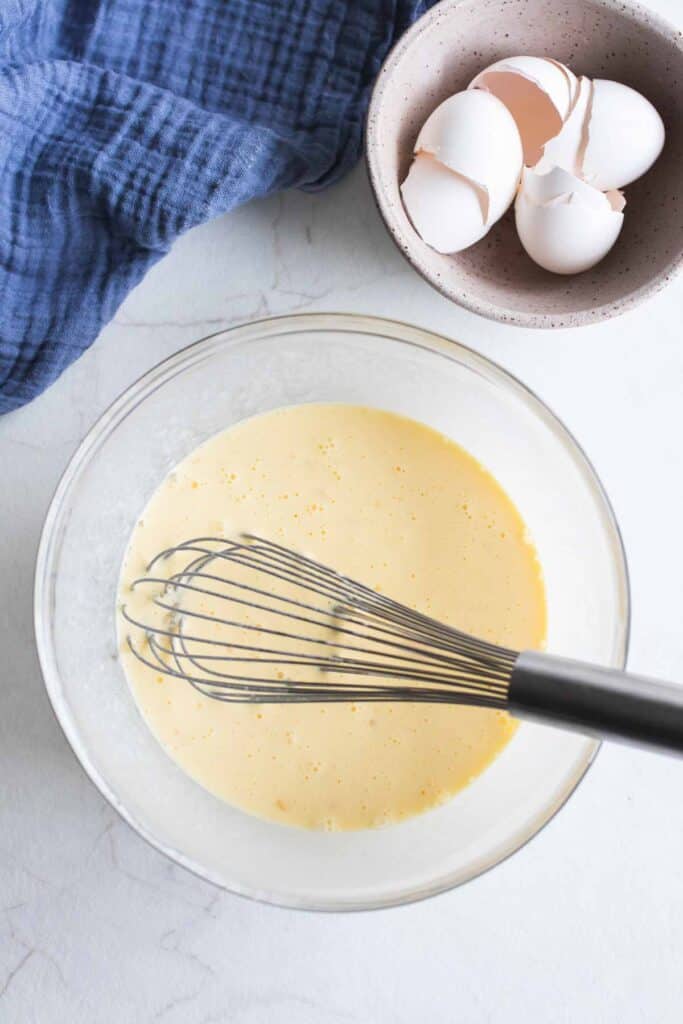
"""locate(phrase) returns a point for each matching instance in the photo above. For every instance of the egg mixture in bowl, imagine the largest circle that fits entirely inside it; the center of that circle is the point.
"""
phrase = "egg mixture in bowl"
(402, 459)
(390, 502)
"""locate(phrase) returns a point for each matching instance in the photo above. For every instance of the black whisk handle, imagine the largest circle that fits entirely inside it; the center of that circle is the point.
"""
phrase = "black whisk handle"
(602, 702)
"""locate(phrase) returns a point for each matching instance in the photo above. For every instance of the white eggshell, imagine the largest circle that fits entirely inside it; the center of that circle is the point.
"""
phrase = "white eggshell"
(572, 81)
(474, 134)
(542, 188)
(445, 209)
(539, 94)
(625, 136)
(551, 77)
(566, 149)
(571, 231)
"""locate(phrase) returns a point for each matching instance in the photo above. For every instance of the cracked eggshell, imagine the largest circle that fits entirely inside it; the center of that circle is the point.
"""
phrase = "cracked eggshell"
(566, 150)
(475, 135)
(445, 208)
(566, 225)
(538, 92)
(572, 80)
(625, 136)
(544, 187)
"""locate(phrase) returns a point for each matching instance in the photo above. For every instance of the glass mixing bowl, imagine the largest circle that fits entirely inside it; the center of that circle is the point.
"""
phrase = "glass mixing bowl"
(249, 370)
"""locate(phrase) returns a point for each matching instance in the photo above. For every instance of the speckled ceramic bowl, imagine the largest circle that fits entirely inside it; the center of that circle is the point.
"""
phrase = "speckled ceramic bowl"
(440, 55)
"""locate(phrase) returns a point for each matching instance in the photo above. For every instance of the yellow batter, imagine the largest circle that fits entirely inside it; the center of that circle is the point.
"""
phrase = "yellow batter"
(394, 504)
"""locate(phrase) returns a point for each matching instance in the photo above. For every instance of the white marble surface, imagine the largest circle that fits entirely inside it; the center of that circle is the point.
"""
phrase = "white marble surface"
(583, 925)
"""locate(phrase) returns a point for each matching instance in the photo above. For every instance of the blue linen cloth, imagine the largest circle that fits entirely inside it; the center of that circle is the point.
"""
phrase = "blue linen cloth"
(125, 122)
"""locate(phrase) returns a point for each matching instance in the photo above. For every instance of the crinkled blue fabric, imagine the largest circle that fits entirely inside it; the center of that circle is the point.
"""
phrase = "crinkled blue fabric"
(125, 122)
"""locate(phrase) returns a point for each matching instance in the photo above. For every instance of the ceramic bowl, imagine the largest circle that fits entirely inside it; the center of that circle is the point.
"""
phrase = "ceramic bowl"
(440, 55)
(240, 373)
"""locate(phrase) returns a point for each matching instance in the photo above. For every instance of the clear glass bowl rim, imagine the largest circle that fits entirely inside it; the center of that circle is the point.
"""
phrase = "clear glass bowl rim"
(177, 363)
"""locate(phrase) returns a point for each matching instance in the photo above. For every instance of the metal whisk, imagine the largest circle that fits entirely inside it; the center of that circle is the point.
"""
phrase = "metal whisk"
(249, 620)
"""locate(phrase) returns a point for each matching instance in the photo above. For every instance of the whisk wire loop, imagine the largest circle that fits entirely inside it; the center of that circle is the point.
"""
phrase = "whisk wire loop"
(249, 620)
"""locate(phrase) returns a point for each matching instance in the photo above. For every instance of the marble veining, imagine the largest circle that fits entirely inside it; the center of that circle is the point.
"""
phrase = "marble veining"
(95, 926)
